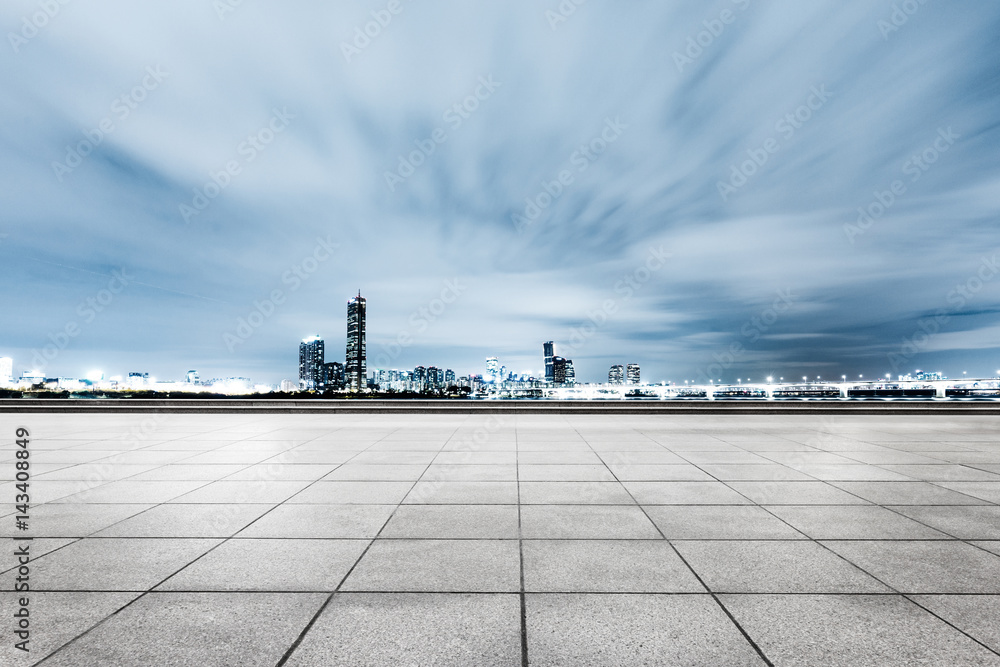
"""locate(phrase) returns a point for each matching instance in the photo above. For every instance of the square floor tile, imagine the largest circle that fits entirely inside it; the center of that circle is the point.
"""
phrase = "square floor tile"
(659, 473)
(796, 493)
(608, 566)
(385, 473)
(320, 521)
(574, 493)
(209, 520)
(71, 519)
(774, 567)
(462, 493)
(853, 522)
(753, 473)
(906, 493)
(852, 631)
(246, 629)
(564, 473)
(472, 566)
(352, 493)
(595, 522)
(966, 522)
(977, 615)
(719, 522)
(453, 522)
(56, 618)
(242, 492)
(115, 564)
(925, 567)
(270, 565)
(580, 629)
(684, 493)
(377, 629)
(470, 473)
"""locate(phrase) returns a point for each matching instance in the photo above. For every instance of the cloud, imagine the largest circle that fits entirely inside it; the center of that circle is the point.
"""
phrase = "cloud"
(754, 85)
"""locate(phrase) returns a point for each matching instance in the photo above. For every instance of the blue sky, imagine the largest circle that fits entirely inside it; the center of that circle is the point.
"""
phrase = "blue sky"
(719, 189)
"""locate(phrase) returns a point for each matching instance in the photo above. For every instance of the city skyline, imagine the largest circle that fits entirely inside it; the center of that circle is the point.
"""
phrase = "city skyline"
(760, 191)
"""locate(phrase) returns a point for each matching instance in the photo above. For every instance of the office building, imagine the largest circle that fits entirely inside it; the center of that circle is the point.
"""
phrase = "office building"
(632, 373)
(616, 375)
(419, 378)
(356, 368)
(193, 378)
(333, 375)
(570, 373)
(449, 378)
(549, 350)
(311, 355)
(558, 370)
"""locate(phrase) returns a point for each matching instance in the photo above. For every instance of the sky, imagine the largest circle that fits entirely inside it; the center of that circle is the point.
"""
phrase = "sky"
(728, 189)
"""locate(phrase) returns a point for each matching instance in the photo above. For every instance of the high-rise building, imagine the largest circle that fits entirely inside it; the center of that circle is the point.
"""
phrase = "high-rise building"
(616, 375)
(492, 369)
(558, 370)
(192, 377)
(449, 378)
(570, 372)
(419, 378)
(6, 371)
(433, 381)
(356, 368)
(632, 373)
(311, 355)
(333, 375)
(549, 350)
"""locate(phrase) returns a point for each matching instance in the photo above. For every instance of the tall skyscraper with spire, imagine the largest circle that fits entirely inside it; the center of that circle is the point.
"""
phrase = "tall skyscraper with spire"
(356, 368)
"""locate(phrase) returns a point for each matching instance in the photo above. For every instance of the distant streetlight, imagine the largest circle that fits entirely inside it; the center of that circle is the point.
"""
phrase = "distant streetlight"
(769, 379)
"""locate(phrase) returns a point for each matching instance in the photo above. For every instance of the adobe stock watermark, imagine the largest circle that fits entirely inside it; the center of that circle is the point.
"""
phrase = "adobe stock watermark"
(265, 308)
(87, 311)
(562, 12)
(752, 331)
(900, 16)
(454, 116)
(957, 299)
(246, 152)
(703, 39)
(420, 320)
(581, 159)
(364, 34)
(625, 288)
(786, 127)
(35, 22)
(121, 108)
(224, 8)
(915, 167)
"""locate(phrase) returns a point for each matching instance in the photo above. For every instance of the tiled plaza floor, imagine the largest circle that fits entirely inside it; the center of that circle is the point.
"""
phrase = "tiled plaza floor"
(480, 540)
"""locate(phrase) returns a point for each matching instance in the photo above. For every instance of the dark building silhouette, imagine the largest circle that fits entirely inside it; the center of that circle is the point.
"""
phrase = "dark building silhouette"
(311, 355)
(632, 373)
(356, 368)
(548, 349)
(616, 375)
(333, 375)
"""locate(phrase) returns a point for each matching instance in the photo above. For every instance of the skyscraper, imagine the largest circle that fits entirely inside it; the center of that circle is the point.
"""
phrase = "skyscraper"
(311, 355)
(632, 373)
(558, 370)
(616, 375)
(333, 375)
(549, 350)
(570, 373)
(356, 368)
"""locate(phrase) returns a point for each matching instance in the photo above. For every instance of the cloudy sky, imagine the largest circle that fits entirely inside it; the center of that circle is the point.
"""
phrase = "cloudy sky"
(670, 183)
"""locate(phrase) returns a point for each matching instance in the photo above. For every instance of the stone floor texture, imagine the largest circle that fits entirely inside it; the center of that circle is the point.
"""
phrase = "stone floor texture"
(509, 540)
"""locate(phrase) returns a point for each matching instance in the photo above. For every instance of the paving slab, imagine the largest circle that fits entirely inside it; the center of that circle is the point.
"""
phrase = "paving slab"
(720, 522)
(925, 567)
(774, 567)
(853, 522)
(269, 565)
(634, 630)
(586, 522)
(453, 522)
(606, 566)
(246, 629)
(378, 629)
(470, 566)
(853, 631)
(976, 615)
